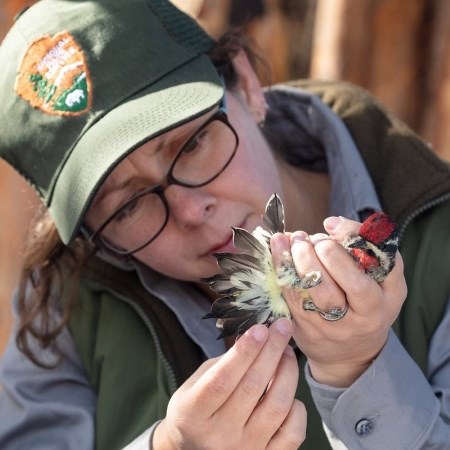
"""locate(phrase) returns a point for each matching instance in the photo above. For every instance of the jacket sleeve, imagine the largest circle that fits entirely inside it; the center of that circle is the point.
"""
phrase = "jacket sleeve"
(45, 408)
(392, 405)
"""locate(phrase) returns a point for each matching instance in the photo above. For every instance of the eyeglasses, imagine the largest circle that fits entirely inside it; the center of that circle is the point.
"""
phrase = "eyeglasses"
(142, 218)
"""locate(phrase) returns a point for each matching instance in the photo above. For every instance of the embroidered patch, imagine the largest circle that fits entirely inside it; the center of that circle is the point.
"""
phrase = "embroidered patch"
(53, 76)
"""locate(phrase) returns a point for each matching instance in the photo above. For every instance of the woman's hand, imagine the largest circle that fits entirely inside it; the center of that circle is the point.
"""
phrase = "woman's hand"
(225, 405)
(339, 351)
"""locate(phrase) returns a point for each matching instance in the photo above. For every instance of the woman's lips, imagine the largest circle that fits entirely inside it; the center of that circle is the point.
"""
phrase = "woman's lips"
(226, 247)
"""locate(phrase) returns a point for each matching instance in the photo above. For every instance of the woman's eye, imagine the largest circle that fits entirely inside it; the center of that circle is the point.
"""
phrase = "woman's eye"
(127, 210)
(197, 142)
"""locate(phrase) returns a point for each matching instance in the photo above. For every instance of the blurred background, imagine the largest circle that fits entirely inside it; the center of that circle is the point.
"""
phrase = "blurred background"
(397, 49)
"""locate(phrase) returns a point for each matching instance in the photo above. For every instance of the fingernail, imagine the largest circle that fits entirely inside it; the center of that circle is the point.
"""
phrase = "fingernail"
(299, 236)
(259, 333)
(332, 223)
(283, 326)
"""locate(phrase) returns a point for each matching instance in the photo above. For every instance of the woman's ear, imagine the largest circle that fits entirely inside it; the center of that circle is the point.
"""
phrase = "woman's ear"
(250, 87)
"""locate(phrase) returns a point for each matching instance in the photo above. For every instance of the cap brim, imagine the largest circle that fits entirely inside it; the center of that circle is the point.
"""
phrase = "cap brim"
(186, 93)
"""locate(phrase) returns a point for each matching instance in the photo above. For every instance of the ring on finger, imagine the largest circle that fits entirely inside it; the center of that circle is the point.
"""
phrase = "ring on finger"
(331, 315)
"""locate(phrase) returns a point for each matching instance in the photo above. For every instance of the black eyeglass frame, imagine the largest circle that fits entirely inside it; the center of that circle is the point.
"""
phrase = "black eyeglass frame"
(168, 180)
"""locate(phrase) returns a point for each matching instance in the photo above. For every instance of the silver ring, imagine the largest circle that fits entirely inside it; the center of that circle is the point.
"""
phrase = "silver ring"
(331, 315)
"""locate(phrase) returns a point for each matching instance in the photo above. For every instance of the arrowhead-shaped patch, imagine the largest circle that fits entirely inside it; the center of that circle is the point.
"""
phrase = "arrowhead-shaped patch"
(54, 77)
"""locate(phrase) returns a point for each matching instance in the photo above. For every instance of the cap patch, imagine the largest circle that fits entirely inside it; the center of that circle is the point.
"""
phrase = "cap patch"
(53, 76)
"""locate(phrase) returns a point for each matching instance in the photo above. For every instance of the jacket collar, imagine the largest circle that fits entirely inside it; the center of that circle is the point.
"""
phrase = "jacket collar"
(408, 177)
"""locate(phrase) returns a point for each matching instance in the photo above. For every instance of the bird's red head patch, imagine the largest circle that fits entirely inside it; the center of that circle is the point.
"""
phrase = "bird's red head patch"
(378, 228)
(367, 260)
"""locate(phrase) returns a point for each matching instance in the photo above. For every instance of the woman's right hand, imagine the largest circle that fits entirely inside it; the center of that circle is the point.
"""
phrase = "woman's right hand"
(225, 405)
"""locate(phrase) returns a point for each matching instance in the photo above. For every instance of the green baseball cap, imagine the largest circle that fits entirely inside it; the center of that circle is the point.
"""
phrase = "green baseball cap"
(84, 83)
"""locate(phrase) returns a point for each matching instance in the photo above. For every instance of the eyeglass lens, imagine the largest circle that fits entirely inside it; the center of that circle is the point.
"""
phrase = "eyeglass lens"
(201, 159)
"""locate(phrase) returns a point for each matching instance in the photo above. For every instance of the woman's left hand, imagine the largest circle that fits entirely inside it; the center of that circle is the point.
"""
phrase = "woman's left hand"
(339, 351)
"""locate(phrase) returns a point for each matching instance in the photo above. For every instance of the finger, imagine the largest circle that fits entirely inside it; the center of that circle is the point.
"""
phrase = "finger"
(373, 242)
(200, 372)
(296, 255)
(279, 243)
(394, 287)
(340, 227)
(292, 432)
(364, 295)
(244, 399)
(362, 292)
(395, 281)
(274, 407)
(215, 385)
(326, 295)
(380, 229)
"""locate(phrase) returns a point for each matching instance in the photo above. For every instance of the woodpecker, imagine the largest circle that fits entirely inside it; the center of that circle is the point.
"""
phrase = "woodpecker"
(375, 246)
(251, 289)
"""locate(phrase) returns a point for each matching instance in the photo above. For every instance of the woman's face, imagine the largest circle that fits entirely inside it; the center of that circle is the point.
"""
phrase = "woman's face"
(200, 218)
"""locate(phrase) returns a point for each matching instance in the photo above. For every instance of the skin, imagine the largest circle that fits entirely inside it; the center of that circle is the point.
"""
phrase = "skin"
(220, 406)
(339, 352)
(201, 218)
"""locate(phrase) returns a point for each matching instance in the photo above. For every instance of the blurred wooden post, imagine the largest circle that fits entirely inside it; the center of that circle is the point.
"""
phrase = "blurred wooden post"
(17, 206)
(397, 49)
(435, 126)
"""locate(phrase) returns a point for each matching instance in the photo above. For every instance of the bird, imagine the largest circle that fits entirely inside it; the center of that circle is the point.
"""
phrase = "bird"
(249, 286)
(375, 246)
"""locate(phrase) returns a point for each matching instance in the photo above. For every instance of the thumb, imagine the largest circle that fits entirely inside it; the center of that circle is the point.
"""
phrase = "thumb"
(340, 227)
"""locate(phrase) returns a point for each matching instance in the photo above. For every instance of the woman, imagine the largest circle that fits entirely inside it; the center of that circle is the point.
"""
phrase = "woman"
(135, 147)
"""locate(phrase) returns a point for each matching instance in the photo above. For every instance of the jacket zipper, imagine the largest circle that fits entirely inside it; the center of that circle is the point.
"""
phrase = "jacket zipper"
(419, 211)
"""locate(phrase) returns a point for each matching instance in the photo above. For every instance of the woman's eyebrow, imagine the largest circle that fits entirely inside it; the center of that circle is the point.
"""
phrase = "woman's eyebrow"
(103, 193)
(155, 149)
(158, 144)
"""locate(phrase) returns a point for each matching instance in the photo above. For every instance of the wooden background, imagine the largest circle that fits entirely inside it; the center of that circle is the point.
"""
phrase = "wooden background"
(397, 49)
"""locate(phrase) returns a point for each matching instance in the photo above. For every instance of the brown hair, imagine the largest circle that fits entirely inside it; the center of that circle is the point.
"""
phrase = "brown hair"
(51, 269)
(46, 268)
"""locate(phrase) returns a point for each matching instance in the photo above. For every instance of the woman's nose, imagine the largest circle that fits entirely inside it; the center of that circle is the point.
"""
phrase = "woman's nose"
(189, 207)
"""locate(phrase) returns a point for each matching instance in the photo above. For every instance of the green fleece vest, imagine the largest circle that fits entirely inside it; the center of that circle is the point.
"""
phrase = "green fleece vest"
(136, 353)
